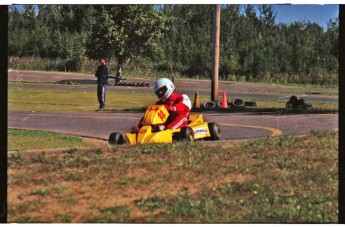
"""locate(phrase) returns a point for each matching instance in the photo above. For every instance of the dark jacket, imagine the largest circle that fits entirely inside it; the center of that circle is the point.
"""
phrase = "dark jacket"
(101, 74)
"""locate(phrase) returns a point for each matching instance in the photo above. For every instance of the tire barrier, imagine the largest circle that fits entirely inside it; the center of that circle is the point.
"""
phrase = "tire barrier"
(208, 105)
(119, 81)
(132, 84)
(297, 103)
(250, 103)
(237, 103)
(68, 82)
(233, 104)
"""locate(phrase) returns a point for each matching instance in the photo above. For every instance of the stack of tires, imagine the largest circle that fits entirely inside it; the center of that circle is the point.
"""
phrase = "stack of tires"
(233, 104)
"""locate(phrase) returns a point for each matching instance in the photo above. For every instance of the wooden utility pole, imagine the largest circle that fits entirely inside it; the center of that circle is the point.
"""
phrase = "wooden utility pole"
(214, 80)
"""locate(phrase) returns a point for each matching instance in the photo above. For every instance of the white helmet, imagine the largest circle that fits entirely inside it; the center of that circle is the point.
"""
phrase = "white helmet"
(163, 88)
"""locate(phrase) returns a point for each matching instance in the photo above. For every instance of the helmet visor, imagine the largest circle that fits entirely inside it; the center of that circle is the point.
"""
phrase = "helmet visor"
(161, 92)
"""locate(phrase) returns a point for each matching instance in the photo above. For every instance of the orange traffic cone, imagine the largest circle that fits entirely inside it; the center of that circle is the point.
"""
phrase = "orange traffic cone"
(224, 102)
(196, 104)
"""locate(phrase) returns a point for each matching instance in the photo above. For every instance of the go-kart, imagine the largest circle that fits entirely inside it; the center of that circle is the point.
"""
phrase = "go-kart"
(151, 129)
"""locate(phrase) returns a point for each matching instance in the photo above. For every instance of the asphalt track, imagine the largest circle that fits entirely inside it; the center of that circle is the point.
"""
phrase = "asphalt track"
(235, 125)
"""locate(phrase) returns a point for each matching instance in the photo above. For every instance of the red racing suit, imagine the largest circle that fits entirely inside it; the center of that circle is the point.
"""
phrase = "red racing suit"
(178, 106)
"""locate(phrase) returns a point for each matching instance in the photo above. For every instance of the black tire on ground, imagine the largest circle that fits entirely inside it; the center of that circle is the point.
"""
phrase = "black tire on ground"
(237, 102)
(209, 105)
(116, 138)
(288, 105)
(250, 103)
(214, 131)
(187, 134)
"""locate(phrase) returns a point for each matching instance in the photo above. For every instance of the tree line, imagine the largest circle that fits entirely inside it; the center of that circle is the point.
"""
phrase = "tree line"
(178, 39)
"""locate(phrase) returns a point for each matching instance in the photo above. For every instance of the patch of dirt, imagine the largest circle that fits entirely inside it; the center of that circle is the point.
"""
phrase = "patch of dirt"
(233, 177)
(96, 142)
(81, 200)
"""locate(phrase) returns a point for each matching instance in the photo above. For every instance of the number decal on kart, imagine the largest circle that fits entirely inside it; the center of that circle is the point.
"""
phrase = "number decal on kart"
(143, 131)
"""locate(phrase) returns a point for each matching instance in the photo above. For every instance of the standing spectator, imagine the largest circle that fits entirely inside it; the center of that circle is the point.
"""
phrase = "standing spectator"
(102, 80)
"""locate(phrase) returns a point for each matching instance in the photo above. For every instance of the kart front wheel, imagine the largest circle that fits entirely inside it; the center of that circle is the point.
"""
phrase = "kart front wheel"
(187, 134)
(214, 131)
(116, 138)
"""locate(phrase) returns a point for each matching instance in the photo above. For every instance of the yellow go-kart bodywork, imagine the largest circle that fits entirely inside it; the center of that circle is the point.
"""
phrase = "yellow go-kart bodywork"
(157, 115)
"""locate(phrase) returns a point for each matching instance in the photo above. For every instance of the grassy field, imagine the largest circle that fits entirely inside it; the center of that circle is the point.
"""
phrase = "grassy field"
(19, 140)
(28, 99)
(285, 179)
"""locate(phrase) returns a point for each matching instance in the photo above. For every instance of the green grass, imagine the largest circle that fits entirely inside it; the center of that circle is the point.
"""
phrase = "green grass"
(285, 179)
(19, 140)
(27, 99)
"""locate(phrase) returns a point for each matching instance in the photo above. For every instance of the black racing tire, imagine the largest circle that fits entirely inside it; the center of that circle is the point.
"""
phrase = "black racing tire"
(250, 103)
(116, 138)
(187, 134)
(214, 131)
(288, 105)
(209, 105)
(237, 103)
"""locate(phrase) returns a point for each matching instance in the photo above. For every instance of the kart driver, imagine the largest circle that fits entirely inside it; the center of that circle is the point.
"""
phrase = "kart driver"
(178, 105)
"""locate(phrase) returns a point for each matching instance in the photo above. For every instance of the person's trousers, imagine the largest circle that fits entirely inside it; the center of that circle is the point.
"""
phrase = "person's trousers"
(101, 94)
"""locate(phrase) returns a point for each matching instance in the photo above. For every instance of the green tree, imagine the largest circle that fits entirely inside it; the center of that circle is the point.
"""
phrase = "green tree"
(126, 31)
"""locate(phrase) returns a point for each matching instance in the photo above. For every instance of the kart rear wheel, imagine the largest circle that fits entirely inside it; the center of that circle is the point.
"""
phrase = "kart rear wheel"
(214, 131)
(187, 134)
(116, 138)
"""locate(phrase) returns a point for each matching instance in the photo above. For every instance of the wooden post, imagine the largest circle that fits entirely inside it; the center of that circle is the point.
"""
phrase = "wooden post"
(214, 81)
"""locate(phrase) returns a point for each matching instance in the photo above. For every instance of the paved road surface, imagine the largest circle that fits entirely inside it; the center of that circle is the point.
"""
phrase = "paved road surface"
(233, 125)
